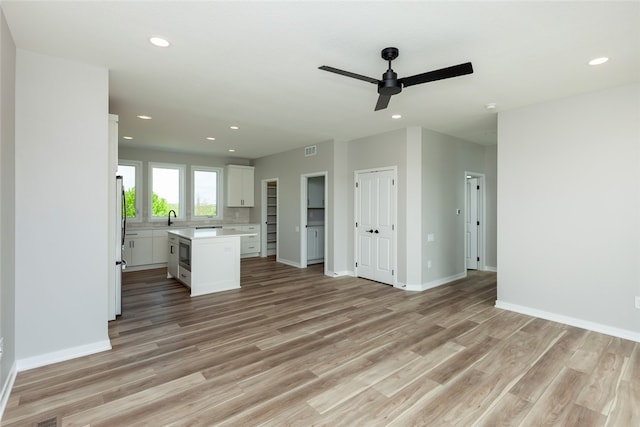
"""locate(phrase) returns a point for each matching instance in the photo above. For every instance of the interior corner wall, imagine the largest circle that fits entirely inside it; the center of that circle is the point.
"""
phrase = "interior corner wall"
(490, 207)
(62, 176)
(569, 208)
(288, 167)
(342, 187)
(445, 160)
(7, 201)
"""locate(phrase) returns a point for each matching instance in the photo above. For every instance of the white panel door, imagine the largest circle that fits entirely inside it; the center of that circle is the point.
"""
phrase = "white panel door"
(375, 218)
(473, 223)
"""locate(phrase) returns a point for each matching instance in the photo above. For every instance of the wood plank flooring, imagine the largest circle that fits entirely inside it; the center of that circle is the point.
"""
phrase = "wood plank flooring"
(294, 347)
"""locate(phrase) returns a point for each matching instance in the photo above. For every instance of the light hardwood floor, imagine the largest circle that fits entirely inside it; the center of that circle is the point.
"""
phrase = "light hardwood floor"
(294, 347)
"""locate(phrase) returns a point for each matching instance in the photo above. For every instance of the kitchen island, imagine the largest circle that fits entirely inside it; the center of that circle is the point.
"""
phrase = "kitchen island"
(205, 260)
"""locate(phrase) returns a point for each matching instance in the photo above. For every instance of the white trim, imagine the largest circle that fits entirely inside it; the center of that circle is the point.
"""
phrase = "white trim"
(219, 195)
(290, 263)
(7, 387)
(304, 183)
(571, 321)
(62, 355)
(490, 268)
(394, 211)
(264, 244)
(182, 205)
(483, 215)
(137, 164)
(432, 284)
(341, 273)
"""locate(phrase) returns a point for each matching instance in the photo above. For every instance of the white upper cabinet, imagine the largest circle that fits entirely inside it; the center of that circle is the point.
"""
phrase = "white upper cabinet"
(239, 186)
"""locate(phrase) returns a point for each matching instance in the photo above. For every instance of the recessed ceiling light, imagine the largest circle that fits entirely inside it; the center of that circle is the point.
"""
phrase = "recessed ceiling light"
(231, 150)
(598, 61)
(127, 137)
(491, 106)
(234, 127)
(396, 116)
(143, 117)
(210, 138)
(159, 41)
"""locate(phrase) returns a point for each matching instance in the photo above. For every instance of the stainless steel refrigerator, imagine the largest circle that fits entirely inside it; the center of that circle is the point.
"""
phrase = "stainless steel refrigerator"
(115, 293)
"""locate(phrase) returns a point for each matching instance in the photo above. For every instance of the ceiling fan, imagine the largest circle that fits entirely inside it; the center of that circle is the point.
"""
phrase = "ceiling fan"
(392, 85)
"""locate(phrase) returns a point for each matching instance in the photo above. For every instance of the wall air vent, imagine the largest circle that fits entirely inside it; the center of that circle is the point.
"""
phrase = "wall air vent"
(310, 151)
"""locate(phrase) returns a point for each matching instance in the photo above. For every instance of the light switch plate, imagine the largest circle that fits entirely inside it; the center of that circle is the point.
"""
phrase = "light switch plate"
(638, 302)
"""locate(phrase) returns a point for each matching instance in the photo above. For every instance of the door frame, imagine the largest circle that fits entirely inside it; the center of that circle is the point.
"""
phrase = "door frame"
(482, 215)
(304, 182)
(263, 226)
(394, 209)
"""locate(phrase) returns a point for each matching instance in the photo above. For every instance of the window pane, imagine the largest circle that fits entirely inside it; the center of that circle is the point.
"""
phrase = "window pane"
(128, 174)
(204, 193)
(166, 191)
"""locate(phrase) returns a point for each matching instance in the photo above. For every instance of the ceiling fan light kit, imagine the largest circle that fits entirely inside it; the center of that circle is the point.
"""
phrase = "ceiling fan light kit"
(391, 85)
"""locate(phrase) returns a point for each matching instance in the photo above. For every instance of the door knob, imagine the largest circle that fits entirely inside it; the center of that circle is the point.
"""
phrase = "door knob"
(376, 231)
(369, 231)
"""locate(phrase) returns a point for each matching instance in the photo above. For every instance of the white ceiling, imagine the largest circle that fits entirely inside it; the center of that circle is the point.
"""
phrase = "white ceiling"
(255, 64)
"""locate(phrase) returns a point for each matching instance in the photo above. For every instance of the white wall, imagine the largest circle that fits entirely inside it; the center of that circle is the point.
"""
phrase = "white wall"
(445, 160)
(61, 166)
(7, 209)
(569, 209)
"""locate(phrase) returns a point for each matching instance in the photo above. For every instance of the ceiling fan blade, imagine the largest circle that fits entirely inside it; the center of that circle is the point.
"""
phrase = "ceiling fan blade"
(383, 101)
(348, 74)
(442, 73)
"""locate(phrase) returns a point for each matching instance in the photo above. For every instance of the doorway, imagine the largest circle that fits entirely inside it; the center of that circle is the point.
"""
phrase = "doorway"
(313, 235)
(474, 221)
(270, 215)
(375, 217)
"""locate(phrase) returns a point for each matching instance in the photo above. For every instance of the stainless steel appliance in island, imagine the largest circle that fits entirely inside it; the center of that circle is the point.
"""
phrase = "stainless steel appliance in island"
(207, 260)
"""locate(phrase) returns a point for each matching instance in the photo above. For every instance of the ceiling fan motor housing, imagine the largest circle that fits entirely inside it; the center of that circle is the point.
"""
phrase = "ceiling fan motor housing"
(389, 85)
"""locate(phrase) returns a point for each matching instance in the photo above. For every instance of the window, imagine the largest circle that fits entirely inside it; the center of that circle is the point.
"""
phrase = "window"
(206, 192)
(166, 182)
(131, 173)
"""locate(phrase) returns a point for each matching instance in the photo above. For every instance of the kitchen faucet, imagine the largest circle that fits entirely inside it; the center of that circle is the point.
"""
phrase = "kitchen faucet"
(169, 218)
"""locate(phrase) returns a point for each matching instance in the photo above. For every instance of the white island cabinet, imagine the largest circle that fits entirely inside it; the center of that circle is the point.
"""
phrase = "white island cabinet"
(213, 257)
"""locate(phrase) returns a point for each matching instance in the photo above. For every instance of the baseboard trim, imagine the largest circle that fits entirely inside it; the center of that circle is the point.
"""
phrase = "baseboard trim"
(432, 284)
(290, 263)
(490, 268)
(340, 273)
(7, 387)
(571, 321)
(62, 355)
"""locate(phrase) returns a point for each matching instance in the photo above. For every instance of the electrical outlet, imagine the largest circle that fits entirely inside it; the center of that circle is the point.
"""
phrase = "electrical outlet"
(429, 264)
(638, 302)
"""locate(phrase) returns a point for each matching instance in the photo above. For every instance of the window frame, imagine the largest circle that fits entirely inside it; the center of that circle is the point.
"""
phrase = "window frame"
(138, 186)
(219, 192)
(181, 189)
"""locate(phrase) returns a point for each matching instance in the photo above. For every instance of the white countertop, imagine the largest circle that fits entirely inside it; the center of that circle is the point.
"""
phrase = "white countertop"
(208, 233)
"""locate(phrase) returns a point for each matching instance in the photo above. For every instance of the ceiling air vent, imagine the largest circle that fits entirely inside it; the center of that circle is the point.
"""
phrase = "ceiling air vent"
(310, 151)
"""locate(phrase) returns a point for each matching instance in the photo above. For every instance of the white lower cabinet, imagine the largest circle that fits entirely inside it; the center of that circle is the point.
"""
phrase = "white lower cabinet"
(159, 252)
(184, 276)
(315, 244)
(249, 245)
(138, 247)
(172, 254)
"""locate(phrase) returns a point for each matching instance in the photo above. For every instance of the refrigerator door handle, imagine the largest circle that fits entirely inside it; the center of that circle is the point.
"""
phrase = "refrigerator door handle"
(124, 215)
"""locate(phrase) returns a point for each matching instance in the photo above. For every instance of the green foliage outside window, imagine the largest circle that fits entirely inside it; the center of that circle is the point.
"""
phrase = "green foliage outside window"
(160, 206)
(130, 197)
